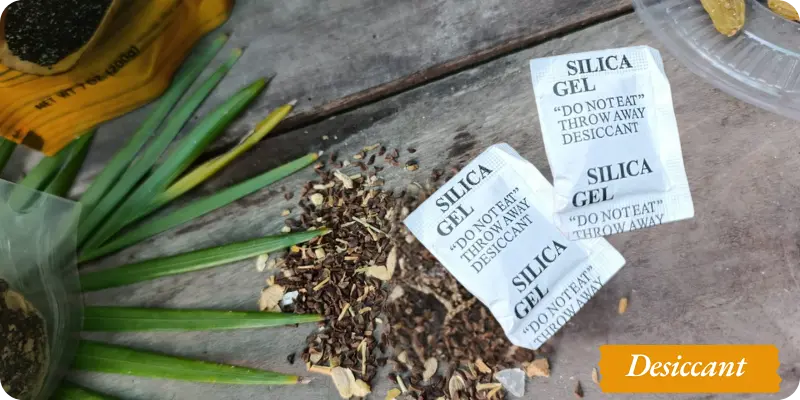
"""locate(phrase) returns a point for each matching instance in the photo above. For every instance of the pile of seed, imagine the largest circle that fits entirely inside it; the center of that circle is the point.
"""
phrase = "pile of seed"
(436, 320)
(341, 275)
(384, 297)
(23, 350)
(46, 31)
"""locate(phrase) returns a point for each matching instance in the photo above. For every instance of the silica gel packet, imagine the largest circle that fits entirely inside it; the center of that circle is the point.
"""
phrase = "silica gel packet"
(612, 141)
(491, 227)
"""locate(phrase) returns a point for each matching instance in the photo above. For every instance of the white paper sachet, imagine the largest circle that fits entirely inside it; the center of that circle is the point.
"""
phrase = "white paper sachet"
(491, 227)
(612, 141)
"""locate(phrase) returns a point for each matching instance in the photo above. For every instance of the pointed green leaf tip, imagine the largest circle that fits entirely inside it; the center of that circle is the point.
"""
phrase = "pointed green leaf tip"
(197, 208)
(124, 319)
(193, 261)
(188, 73)
(100, 357)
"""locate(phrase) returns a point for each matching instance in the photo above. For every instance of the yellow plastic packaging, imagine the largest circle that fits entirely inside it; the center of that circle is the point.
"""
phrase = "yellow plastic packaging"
(131, 65)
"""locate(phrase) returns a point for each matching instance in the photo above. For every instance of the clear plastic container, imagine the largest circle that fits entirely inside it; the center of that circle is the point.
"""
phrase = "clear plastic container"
(37, 260)
(760, 64)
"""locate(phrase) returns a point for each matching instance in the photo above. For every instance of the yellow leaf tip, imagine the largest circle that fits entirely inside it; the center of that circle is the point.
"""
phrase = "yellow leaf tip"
(292, 103)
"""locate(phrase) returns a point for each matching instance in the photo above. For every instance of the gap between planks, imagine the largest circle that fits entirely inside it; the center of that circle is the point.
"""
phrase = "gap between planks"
(438, 72)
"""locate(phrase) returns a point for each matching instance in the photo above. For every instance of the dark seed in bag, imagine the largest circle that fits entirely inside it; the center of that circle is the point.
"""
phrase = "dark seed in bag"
(23, 348)
(46, 31)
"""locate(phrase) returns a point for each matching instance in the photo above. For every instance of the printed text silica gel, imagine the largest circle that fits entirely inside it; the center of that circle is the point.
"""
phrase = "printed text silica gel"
(612, 141)
(491, 227)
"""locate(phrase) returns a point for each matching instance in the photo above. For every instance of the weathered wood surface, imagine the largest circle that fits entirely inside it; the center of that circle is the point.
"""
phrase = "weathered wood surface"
(727, 276)
(335, 55)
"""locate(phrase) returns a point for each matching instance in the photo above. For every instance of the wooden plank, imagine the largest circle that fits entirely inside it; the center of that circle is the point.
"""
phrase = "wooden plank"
(336, 55)
(727, 276)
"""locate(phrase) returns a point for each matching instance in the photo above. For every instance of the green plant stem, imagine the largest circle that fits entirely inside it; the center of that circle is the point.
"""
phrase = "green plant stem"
(100, 357)
(37, 179)
(62, 183)
(197, 208)
(176, 162)
(6, 150)
(124, 319)
(193, 261)
(209, 168)
(183, 79)
(144, 164)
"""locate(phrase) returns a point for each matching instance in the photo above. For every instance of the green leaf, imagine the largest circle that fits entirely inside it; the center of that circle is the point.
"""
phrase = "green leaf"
(193, 261)
(61, 184)
(71, 391)
(183, 79)
(198, 208)
(123, 319)
(209, 168)
(145, 162)
(176, 162)
(6, 149)
(38, 178)
(100, 357)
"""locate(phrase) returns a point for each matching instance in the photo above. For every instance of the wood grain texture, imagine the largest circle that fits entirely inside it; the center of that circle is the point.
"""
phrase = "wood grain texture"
(336, 55)
(727, 276)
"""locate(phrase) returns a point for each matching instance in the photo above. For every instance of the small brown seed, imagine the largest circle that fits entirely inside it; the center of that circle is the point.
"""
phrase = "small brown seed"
(578, 390)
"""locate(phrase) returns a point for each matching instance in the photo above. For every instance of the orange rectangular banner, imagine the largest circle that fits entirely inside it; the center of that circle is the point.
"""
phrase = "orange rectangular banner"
(689, 369)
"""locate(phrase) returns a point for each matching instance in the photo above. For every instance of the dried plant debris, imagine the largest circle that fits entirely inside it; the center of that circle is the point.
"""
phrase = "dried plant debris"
(432, 316)
(261, 262)
(393, 394)
(386, 299)
(344, 381)
(539, 367)
(23, 350)
(342, 275)
(595, 376)
(623, 305)
(271, 298)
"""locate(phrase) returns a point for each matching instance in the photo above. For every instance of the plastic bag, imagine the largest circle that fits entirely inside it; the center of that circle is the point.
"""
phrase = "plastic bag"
(38, 262)
(129, 66)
